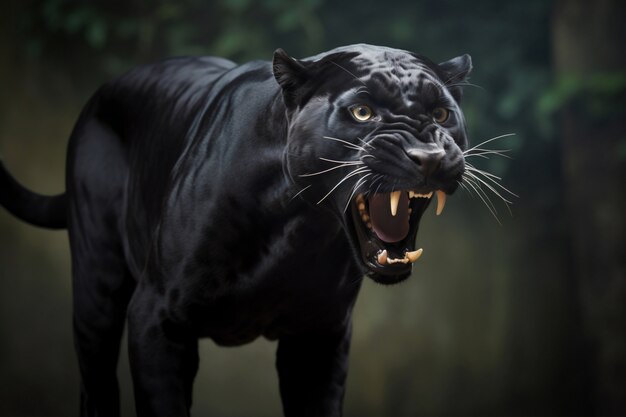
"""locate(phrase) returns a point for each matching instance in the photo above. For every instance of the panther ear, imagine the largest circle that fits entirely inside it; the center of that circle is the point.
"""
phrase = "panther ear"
(290, 74)
(455, 72)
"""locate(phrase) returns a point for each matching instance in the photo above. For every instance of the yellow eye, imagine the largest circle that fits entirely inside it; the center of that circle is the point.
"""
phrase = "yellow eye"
(440, 115)
(361, 112)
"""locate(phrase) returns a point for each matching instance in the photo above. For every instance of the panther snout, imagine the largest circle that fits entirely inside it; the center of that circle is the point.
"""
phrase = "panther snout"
(428, 160)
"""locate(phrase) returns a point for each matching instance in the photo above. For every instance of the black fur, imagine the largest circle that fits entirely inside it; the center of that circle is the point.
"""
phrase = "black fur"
(192, 212)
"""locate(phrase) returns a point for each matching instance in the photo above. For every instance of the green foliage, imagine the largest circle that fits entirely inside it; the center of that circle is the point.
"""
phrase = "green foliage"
(121, 37)
(600, 93)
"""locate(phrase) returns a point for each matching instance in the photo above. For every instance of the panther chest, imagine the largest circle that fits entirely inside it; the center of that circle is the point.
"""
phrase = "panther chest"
(300, 276)
(297, 296)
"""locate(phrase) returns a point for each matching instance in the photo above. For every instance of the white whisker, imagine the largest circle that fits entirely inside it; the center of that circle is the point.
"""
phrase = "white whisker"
(480, 191)
(351, 174)
(300, 192)
(365, 143)
(489, 205)
(493, 178)
(356, 187)
(489, 186)
(351, 162)
(477, 150)
(464, 84)
(487, 141)
(346, 143)
(483, 152)
(472, 168)
(463, 186)
(380, 183)
(348, 71)
(327, 170)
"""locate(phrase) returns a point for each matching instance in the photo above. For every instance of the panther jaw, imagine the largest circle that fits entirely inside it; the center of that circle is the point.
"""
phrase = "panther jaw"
(389, 254)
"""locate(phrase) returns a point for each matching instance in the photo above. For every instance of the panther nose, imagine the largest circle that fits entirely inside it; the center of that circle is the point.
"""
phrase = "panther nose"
(427, 160)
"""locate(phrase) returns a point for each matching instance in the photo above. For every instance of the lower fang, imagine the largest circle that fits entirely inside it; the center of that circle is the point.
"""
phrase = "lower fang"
(382, 257)
(414, 256)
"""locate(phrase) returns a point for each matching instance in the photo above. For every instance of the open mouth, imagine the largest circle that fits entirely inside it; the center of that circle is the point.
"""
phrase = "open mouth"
(386, 225)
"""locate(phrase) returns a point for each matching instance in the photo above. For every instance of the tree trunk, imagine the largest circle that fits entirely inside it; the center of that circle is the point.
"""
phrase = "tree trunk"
(588, 47)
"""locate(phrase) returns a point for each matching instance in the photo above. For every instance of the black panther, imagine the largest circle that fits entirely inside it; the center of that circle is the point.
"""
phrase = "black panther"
(206, 199)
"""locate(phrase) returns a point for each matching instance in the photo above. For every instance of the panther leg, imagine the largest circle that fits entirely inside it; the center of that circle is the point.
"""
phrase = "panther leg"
(99, 315)
(312, 370)
(102, 285)
(163, 357)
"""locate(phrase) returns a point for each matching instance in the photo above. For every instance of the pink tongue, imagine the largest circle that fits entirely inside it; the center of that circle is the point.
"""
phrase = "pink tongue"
(387, 227)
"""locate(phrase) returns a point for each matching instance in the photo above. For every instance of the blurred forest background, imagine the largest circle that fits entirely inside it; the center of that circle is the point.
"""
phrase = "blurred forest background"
(523, 318)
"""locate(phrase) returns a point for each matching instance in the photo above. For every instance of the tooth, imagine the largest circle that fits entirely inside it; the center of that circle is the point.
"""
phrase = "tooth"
(365, 218)
(413, 194)
(441, 201)
(395, 198)
(414, 256)
(361, 206)
(382, 257)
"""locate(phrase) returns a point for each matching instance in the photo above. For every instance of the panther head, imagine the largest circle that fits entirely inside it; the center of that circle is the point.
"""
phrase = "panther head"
(373, 134)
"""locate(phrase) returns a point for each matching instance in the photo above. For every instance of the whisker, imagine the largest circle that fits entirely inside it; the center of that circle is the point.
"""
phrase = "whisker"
(351, 174)
(465, 84)
(477, 154)
(476, 178)
(346, 143)
(300, 192)
(482, 152)
(489, 207)
(463, 186)
(489, 140)
(327, 170)
(380, 183)
(493, 190)
(366, 143)
(473, 168)
(480, 191)
(506, 202)
(356, 187)
(375, 181)
(477, 150)
(466, 188)
(493, 178)
(482, 181)
(351, 162)
(354, 76)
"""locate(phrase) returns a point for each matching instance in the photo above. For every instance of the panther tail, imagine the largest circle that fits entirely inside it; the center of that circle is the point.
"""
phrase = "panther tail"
(36, 209)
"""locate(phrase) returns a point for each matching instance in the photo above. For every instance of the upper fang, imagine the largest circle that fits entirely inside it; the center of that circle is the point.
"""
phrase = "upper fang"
(394, 199)
(441, 201)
